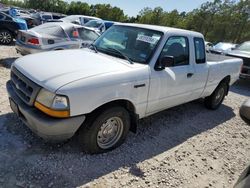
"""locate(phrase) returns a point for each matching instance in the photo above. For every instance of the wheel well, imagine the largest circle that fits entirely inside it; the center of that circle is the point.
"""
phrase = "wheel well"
(123, 103)
(11, 32)
(227, 81)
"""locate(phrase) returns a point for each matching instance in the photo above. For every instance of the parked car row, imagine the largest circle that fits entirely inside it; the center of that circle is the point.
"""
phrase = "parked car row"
(75, 19)
(27, 23)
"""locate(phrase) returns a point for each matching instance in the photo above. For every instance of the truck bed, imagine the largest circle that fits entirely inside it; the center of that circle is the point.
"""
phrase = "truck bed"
(216, 57)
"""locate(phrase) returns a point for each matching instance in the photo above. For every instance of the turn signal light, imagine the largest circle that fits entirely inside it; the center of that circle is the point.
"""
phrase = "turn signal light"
(52, 112)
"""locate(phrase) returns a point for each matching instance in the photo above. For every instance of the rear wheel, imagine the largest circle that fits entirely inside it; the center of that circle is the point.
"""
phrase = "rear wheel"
(105, 132)
(5, 37)
(214, 101)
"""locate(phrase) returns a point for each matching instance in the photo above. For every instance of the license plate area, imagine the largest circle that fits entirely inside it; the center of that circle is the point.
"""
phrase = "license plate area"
(14, 107)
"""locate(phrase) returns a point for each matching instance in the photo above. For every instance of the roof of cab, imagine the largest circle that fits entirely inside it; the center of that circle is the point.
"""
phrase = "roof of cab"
(160, 28)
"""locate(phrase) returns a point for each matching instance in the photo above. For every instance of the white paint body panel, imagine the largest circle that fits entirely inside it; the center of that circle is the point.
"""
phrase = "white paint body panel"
(91, 80)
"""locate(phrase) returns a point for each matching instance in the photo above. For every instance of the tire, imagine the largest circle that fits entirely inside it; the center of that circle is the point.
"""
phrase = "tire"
(6, 37)
(245, 111)
(112, 123)
(214, 101)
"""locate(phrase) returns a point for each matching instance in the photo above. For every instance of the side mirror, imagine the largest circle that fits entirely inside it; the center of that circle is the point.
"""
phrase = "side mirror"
(165, 61)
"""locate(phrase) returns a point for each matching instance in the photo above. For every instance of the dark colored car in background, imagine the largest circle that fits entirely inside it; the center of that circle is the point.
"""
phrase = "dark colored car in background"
(242, 51)
(9, 28)
(21, 14)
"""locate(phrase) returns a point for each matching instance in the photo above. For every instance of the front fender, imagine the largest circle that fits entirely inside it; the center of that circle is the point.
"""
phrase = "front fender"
(88, 94)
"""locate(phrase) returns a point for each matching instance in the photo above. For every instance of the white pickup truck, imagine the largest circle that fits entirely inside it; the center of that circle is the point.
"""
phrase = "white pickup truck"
(130, 72)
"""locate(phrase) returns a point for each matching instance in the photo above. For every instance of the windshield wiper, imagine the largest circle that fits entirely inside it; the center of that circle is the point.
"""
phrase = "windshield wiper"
(122, 54)
(94, 47)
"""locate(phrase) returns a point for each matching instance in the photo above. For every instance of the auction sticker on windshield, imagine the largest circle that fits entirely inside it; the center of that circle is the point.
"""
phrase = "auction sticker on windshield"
(147, 39)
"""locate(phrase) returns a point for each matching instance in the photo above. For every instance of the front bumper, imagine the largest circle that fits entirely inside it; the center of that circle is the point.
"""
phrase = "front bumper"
(49, 128)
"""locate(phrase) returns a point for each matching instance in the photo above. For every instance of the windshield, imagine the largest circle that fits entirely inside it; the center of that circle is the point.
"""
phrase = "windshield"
(93, 23)
(244, 47)
(136, 43)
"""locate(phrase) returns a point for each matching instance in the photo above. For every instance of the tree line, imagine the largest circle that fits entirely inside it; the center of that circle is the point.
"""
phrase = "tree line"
(219, 20)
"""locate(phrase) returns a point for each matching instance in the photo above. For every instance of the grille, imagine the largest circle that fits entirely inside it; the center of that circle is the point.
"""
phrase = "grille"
(26, 89)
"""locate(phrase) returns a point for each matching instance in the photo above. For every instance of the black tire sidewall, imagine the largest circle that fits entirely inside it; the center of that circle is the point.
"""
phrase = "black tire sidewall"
(210, 101)
(88, 133)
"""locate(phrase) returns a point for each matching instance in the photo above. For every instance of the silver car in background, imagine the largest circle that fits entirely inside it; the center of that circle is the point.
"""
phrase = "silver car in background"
(208, 46)
(222, 48)
(78, 19)
(54, 36)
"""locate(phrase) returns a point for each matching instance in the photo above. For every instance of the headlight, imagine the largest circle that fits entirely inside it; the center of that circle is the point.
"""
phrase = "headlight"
(52, 104)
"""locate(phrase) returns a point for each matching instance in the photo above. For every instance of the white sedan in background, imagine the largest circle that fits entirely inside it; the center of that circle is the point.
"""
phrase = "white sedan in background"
(54, 36)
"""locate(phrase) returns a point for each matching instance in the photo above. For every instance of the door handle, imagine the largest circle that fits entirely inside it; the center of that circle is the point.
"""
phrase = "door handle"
(189, 75)
(140, 85)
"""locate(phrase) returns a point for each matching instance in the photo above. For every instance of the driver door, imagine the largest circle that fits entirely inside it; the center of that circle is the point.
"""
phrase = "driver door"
(173, 85)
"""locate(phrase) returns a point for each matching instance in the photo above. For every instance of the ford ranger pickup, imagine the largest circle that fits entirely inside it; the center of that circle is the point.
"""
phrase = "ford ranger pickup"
(130, 72)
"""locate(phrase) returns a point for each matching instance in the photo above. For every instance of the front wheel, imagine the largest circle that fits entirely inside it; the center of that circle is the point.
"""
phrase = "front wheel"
(106, 132)
(5, 37)
(216, 98)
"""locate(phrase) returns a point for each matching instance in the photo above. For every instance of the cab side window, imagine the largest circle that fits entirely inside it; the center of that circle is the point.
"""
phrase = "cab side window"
(178, 48)
(200, 54)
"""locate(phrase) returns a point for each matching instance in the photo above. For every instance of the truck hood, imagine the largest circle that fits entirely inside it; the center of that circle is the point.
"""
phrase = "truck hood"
(53, 70)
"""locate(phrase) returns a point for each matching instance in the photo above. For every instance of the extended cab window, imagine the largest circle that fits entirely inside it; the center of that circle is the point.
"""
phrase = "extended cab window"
(177, 47)
(200, 54)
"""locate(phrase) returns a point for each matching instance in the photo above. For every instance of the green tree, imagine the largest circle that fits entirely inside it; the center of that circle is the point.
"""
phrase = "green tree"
(78, 8)
(107, 12)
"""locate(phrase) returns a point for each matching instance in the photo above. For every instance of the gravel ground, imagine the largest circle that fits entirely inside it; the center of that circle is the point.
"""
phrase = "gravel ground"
(186, 146)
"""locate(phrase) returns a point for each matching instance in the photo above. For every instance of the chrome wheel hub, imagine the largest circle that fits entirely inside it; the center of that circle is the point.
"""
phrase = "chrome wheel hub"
(110, 132)
(5, 37)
